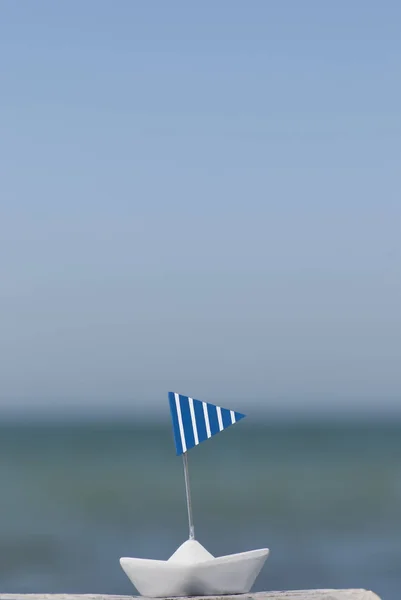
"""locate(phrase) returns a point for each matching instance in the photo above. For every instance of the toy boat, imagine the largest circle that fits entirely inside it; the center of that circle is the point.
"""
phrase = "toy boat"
(192, 570)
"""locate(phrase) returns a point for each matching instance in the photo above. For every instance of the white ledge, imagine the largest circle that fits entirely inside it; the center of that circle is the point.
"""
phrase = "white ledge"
(287, 595)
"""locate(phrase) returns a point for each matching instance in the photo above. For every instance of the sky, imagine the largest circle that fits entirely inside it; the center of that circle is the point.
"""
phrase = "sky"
(201, 197)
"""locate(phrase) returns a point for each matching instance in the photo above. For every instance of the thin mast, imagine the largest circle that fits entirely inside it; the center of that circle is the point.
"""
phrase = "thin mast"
(188, 493)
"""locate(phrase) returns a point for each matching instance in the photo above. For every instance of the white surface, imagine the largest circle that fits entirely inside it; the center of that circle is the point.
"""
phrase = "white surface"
(193, 571)
(290, 595)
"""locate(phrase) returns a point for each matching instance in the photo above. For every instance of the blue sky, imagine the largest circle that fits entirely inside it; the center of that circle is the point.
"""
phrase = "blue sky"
(200, 197)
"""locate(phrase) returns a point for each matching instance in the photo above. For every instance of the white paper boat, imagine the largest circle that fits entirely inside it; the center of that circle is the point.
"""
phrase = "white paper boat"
(193, 571)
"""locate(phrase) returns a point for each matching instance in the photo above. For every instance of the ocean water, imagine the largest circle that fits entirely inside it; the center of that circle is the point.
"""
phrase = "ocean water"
(325, 498)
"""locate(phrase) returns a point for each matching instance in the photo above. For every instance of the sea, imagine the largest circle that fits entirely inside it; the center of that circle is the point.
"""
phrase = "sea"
(323, 495)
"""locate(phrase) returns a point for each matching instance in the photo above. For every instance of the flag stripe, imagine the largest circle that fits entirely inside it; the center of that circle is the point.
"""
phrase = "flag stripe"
(214, 424)
(193, 419)
(176, 428)
(180, 423)
(238, 417)
(226, 415)
(187, 422)
(205, 412)
(219, 418)
(232, 413)
(200, 420)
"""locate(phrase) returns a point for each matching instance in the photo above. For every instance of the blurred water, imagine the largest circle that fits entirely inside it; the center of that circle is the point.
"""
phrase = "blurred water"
(325, 498)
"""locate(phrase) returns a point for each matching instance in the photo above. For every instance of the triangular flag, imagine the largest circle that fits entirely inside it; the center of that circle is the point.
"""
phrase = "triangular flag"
(195, 421)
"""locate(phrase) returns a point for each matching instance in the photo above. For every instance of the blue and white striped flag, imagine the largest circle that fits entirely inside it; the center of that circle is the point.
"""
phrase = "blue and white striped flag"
(195, 421)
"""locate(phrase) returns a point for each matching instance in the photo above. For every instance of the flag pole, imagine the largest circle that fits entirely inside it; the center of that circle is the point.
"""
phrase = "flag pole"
(188, 493)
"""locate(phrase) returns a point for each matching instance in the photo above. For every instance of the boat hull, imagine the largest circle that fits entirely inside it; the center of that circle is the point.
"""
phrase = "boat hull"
(192, 571)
